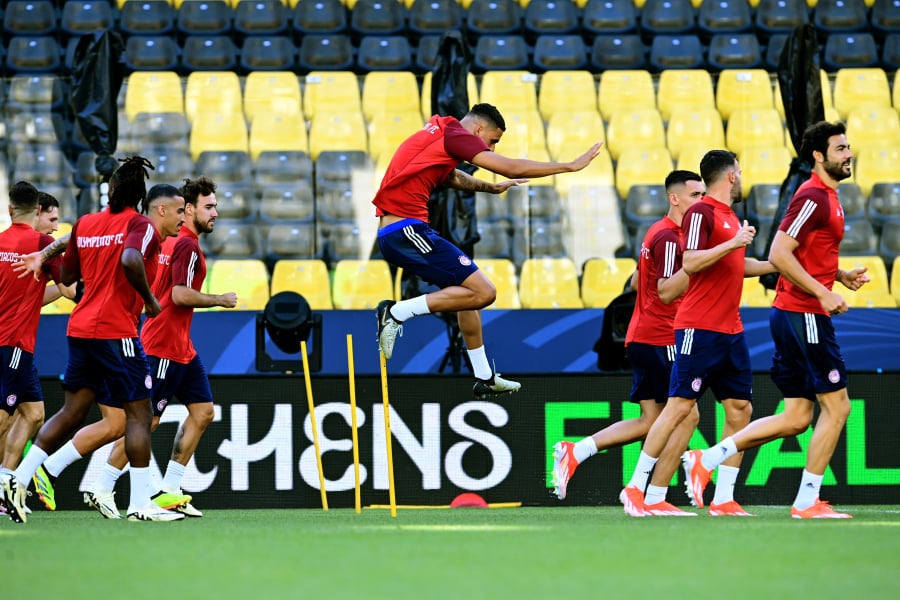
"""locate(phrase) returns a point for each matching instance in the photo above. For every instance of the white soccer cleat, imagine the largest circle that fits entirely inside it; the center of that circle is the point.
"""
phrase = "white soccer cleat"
(152, 512)
(103, 501)
(188, 510)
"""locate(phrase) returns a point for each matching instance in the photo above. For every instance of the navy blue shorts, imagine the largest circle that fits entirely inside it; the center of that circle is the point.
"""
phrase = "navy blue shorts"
(117, 370)
(807, 359)
(417, 248)
(652, 367)
(19, 381)
(708, 359)
(187, 382)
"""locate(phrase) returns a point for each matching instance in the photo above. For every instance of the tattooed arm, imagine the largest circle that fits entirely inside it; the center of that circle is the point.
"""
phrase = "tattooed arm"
(461, 180)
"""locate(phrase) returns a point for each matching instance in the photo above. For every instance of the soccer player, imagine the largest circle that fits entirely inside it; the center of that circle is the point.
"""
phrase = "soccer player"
(176, 368)
(807, 365)
(426, 160)
(48, 214)
(711, 351)
(106, 360)
(20, 305)
(650, 344)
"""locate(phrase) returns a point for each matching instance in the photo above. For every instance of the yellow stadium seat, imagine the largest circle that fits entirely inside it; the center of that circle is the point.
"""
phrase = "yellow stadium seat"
(153, 92)
(604, 279)
(636, 166)
(743, 88)
(876, 165)
(549, 283)
(388, 130)
(337, 131)
(218, 132)
(684, 89)
(598, 173)
(896, 93)
(471, 92)
(873, 126)
(763, 166)
(638, 128)
(524, 136)
(690, 155)
(389, 92)
(361, 284)
(625, 90)
(248, 278)
(502, 273)
(512, 91)
(60, 306)
(895, 280)
(754, 294)
(217, 92)
(752, 127)
(277, 131)
(566, 91)
(63, 228)
(875, 269)
(856, 88)
(331, 92)
(568, 131)
(272, 92)
(688, 127)
(309, 278)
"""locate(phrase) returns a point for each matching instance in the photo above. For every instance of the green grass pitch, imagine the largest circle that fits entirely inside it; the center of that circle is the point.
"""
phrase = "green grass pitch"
(559, 552)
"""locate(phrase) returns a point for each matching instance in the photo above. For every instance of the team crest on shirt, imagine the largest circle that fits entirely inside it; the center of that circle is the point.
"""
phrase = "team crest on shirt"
(161, 405)
(148, 383)
(834, 376)
(696, 384)
(464, 260)
(11, 400)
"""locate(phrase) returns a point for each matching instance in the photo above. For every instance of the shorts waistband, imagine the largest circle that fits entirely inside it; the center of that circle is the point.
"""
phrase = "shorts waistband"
(398, 225)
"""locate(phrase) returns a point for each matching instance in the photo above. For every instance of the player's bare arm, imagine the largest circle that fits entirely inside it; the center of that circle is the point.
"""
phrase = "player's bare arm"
(461, 180)
(671, 288)
(853, 279)
(695, 261)
(183, 295)
(133, 267)
(516, 168)
(55, 292)
(781, 255)
(755, 268)
(32, 263)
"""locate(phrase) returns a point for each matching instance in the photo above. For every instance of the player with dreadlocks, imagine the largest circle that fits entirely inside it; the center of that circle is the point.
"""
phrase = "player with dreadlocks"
(107, 364)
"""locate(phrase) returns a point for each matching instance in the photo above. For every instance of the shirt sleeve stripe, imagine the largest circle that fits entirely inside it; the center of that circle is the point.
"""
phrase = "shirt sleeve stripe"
(669, 266)
(803, 216)
(694, 231)
(148, 237)
(192, 263)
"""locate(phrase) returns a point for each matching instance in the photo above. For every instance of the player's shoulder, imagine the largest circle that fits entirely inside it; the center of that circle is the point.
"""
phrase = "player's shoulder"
(186, 243)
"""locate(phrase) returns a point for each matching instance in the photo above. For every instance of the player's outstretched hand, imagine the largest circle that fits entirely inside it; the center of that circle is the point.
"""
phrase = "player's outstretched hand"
(745, 235)
(855, 279)
(29, 263)
(502, 186)
(151, 309)
(228, 300)
(586, 158)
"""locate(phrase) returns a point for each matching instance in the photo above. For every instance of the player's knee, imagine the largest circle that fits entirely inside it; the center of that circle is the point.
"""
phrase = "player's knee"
(739, 413)
(485, 295)
(202, 414)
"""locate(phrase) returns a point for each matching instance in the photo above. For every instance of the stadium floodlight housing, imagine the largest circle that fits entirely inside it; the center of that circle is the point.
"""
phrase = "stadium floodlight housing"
(288, 320)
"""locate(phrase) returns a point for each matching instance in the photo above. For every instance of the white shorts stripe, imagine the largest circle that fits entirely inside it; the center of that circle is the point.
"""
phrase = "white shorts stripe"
(128, 347)
(670, 353)
(15, 359)
(162, 368)
(417, 240)
(812, 329)
(688, 342)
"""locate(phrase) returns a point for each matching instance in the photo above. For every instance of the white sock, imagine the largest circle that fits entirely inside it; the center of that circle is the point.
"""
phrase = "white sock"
(174, 474)
(716, 455)
(62, 458)
(584, 449)
(655, 494)
(407, 309)
(480, 365)
(140, 488)
(5, 471)
(809, 490)
(30, 464)
(725, 481)
(108, 477)
(642, 471)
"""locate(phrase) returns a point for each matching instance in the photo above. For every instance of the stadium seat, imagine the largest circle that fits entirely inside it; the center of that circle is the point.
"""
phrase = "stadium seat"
(676, 52)
(761, 165)
(850, 50)
(82, 17)
(762, 203)
(873, 127)
(336, 132)
(648, 165)
(553, 51)
(281, 167)
(493, 17)
(853, 201)
(153, 92)
(876, 165)
(604, 279)
(638, 128)
(749, 127)
(608, 17)
(532, 201)
(889, 249)
(540, 238)
(549, 283)
(261, 17)
(568, 132)
(232, 166)
(884, 204)
(331, 92)
(724, 17)
(388, 130)
(753, 294)
(325, 52)
(839, 16)
(309, 278)
(666, 17)
(149, 17)
(645, 204)
(885, 18)
(210, 17)
(743, 88)
(287, 239)
(384, 53)
(566, 90)
(856, 88)
(890, 51)
(287, 201)
(30, 18)
(427, 51)
(213, 92)
(598, 230)
(625, 91)
(680, 89)
(268, 53)
(598, 174)
(223, 132)
(688, 126)
(434, 17)
(60, 306)
(233, 238)
(550, 17)
(361, 284)
(34, 93)
(774, 17)
(276, 92)
(509, 90)
(152, 53)
(40, 164)
(495, 240)
(690, 155)
(235, 200)
(248, 278)
(471, 92)
(618, 52)
(500, 52)
(208, 53)
(272, 131)
(378, 18)
(319, 16)
(40, 54)
(859, 238)
(171, 164)
(774, 48)
(502, 273)
(524, 136)
(734, 51)
(390, 92)
(33, 128)
(876, 293)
